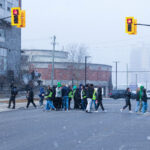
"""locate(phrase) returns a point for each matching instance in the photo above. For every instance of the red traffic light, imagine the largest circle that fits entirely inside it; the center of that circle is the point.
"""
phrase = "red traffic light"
(129, 21)
(15, 12)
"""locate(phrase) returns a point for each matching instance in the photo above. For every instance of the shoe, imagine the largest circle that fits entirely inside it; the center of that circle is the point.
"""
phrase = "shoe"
(105, 110)
(96, 111)
(8, 107)
(121, 110)
(130, 111)
(13, 107)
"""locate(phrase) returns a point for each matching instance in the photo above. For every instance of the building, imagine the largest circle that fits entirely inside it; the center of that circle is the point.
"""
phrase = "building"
(67, 72)
(10, 41)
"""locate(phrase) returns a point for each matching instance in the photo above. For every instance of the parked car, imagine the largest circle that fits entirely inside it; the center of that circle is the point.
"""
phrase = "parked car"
(117, 94)
(148, 94)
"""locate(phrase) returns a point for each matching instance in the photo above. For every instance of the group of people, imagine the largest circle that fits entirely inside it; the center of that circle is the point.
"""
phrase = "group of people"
(60, 97)
(141, 100)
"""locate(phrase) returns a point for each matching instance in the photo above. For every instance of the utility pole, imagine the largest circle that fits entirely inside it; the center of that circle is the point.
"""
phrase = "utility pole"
(53, 55)
(136, 76)
(116, 62)
(20, 3)
(127, 76)
(86, 66)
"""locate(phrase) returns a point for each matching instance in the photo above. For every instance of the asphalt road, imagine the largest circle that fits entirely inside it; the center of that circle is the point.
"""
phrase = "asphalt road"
(34, 129)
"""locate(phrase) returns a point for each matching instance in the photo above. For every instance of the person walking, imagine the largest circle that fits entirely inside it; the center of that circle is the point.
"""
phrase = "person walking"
(30, 98)
(58, 96)
(41, 95)
(83, 98)
(94, 99)
(70, 96)
(65, 98)
(144, 101)
(49, 103)
(137, 100)
(90, 92)
(99, 99)
(127, 98)
(14, 93)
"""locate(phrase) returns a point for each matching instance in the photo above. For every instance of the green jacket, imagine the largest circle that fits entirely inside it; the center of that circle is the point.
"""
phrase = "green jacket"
(94, 95)
(49, 96)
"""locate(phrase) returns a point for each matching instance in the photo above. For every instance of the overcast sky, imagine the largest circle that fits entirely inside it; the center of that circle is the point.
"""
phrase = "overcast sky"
(99, 24)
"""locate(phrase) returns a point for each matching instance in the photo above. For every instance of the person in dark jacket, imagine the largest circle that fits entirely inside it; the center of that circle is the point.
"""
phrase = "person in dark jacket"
(30, 98)
(65, 97)
(127, 98)
(90, 92)
(137, 100)
(41, 95)
(144, 101)
(77, 99)
(14, 93)
(99, 99)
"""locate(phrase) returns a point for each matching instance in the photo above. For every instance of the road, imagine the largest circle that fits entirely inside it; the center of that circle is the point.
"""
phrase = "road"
(34, 129)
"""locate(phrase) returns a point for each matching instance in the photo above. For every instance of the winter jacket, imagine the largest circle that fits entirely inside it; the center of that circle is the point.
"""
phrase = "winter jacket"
(42, 92)
(99, 94)
(49, 94)
(65, 91)
(144, 97)
(128, 95)
(90, 92)
(138, 96)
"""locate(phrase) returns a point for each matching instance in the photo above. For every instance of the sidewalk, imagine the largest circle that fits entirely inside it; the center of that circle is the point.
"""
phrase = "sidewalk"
(21, 102)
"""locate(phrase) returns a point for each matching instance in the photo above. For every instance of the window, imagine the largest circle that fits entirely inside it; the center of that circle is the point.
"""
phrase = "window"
(3, 59)
(2, 35)
(2, 4)
(9, 6)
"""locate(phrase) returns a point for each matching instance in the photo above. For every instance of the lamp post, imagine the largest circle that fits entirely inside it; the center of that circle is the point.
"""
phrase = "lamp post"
(86, 57)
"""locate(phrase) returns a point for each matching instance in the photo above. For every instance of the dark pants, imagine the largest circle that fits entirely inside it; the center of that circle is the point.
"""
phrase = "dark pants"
(12, 99)
(128, 103)
(70, 102)
(83, 103)
(100, 104)
(31, 101)
(77, 103)
(58, 103)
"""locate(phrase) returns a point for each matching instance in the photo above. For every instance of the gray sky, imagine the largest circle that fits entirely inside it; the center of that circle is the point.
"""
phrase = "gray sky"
(99, 24)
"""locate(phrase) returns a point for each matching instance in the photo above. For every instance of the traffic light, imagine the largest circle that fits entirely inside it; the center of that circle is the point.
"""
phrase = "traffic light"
(15, 16)
(130, 25)
(23, 19)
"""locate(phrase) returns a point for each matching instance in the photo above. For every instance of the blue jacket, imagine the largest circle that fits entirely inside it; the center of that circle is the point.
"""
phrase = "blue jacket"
(41, 92)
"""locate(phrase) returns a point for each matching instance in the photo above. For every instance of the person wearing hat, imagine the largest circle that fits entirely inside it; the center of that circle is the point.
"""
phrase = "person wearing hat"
(58, 96)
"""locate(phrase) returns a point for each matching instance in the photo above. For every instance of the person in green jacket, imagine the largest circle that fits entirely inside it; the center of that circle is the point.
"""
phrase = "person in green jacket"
(48, 97)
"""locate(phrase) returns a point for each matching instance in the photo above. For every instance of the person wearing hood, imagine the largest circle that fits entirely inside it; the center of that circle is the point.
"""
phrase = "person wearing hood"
(41, 95)
(14, 93)
(58, 96)
(141, 93)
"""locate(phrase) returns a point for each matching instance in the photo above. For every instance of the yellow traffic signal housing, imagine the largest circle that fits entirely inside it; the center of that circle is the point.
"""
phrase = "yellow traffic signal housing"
(135, 26)
(15, 16)
(23, 19)
(129, 24)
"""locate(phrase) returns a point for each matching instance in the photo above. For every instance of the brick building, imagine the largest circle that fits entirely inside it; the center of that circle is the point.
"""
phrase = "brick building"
(66, 72)
(10, 41)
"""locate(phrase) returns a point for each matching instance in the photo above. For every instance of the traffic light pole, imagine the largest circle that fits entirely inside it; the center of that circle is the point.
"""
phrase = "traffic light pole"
(5, 18)
(142, 24)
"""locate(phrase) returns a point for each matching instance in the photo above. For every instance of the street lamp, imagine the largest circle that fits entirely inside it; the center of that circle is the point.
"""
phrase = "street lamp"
(86, 57)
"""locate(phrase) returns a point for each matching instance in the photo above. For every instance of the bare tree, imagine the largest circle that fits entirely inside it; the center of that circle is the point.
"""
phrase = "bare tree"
(76, 58)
